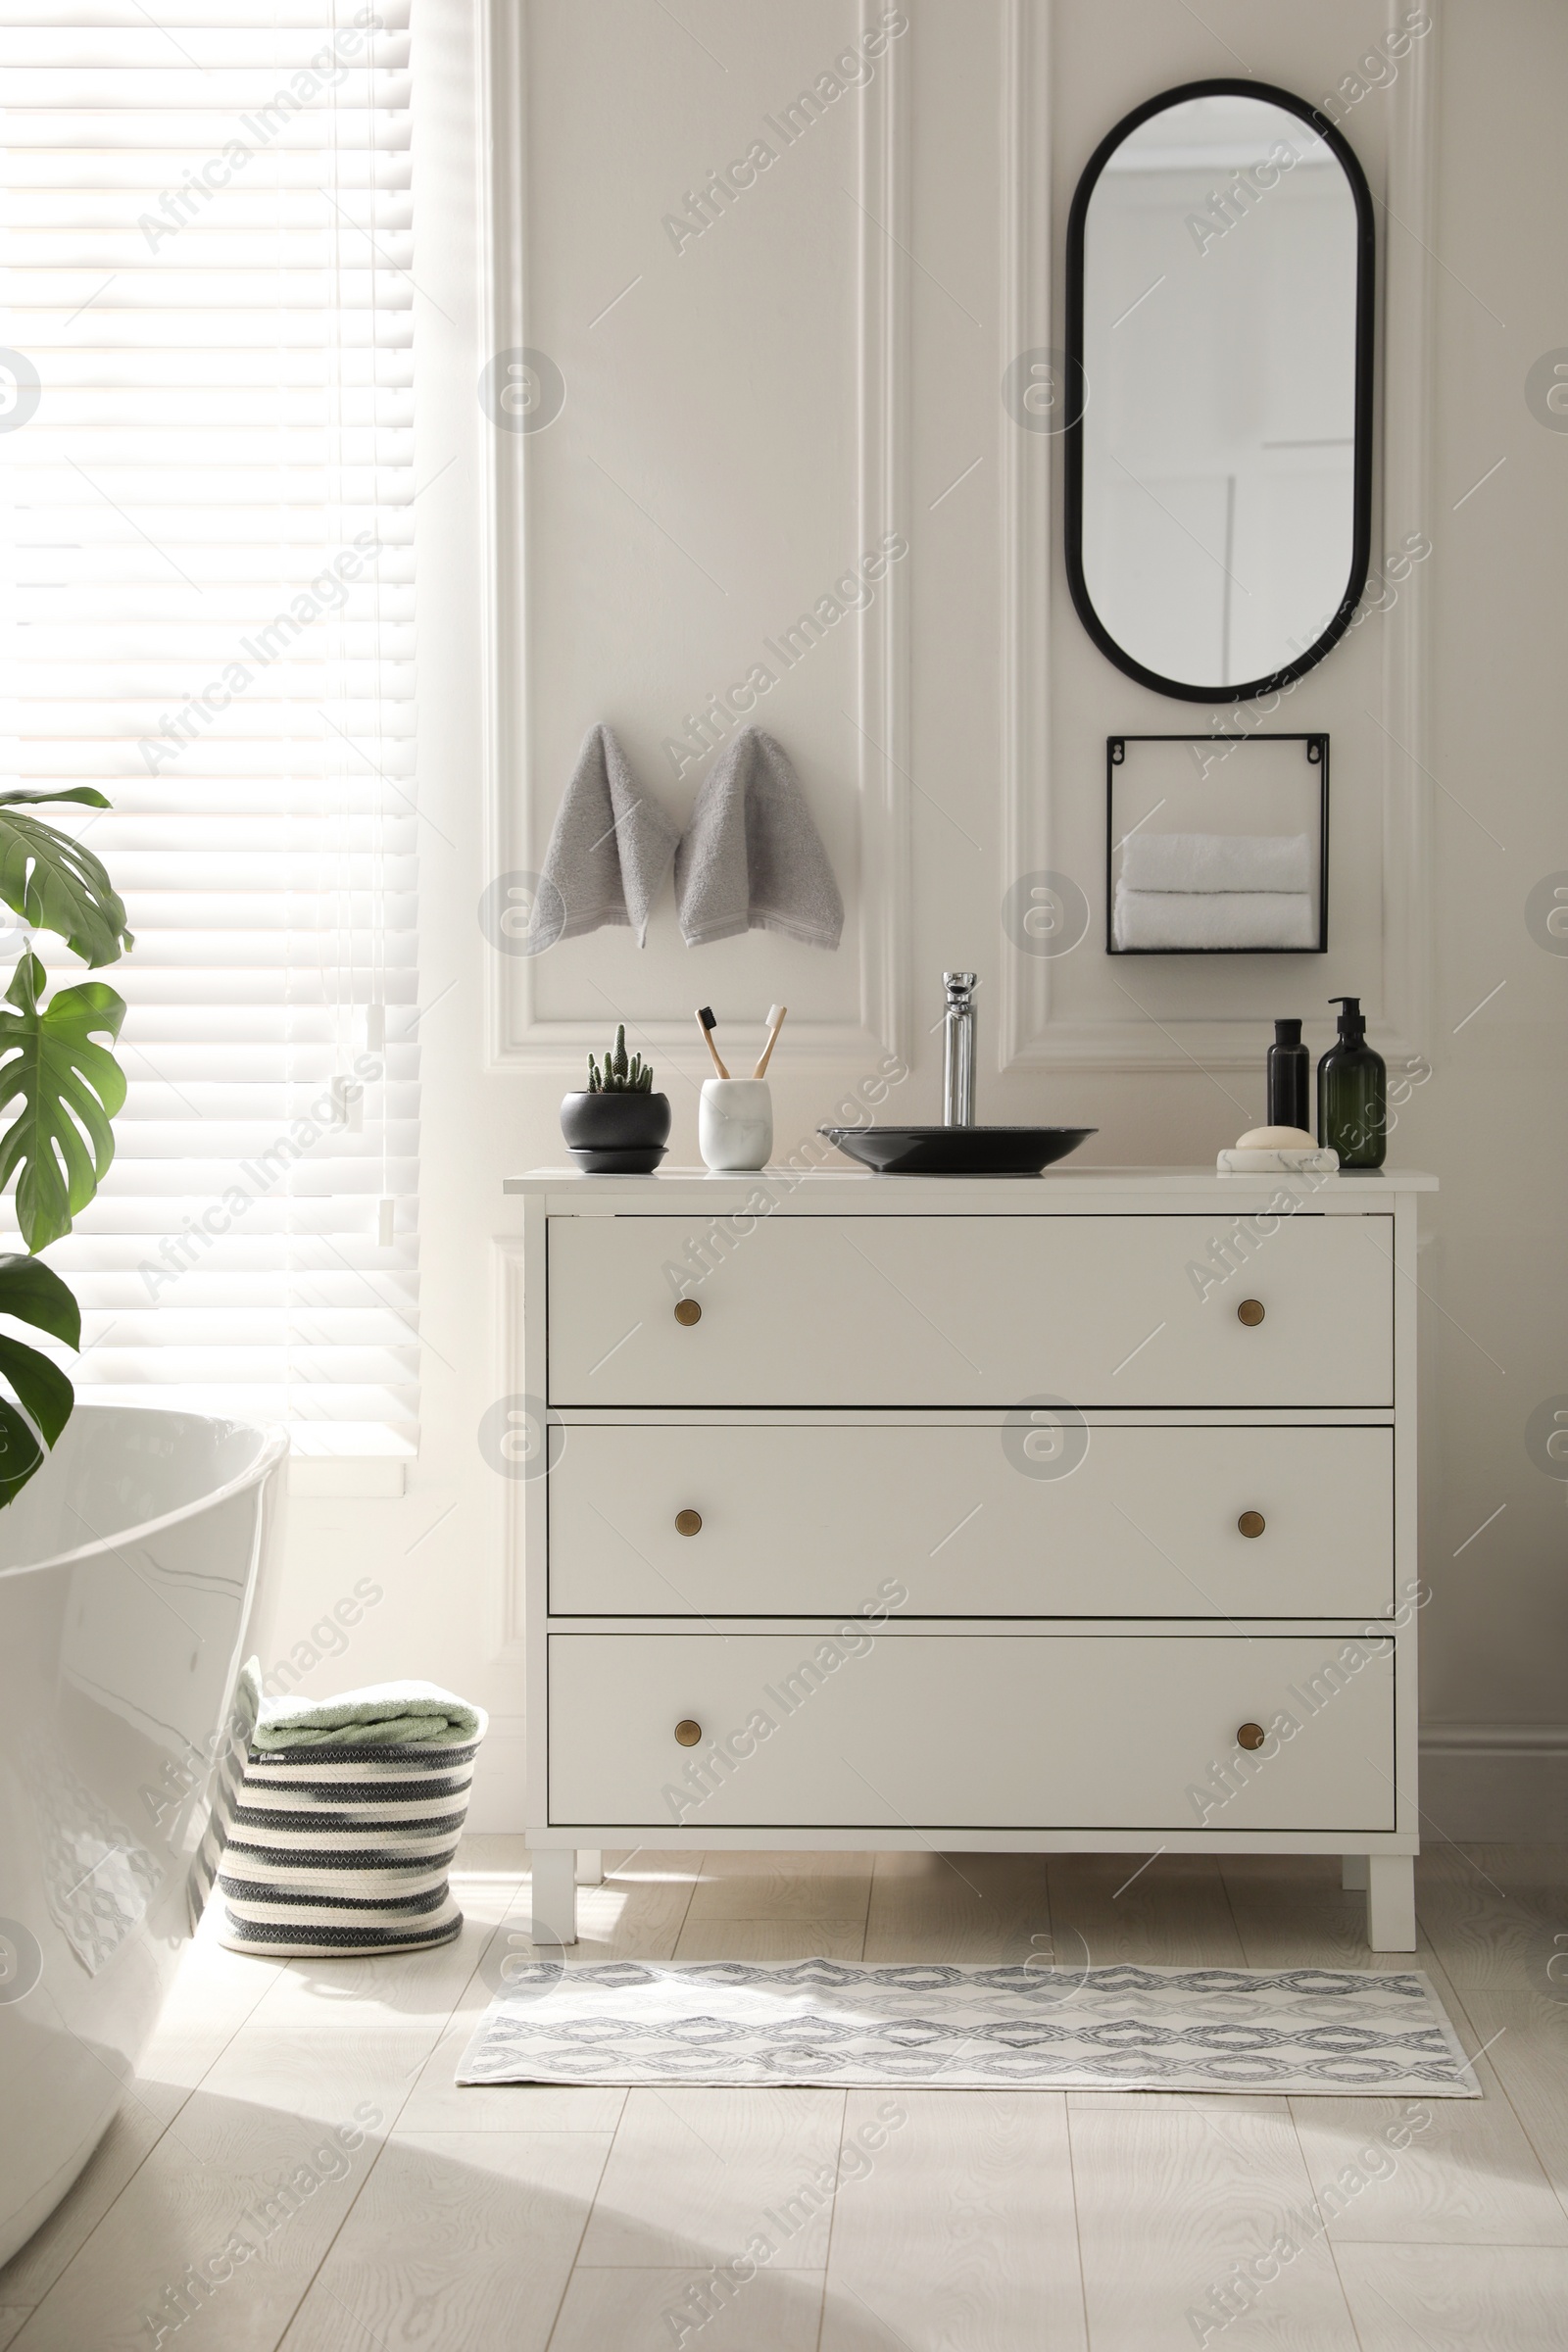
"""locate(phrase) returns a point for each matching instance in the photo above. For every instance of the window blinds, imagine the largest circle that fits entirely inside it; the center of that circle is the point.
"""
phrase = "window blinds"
(206, 472)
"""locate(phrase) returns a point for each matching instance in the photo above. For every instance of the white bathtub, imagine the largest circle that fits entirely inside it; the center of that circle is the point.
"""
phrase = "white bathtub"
(126, 1572)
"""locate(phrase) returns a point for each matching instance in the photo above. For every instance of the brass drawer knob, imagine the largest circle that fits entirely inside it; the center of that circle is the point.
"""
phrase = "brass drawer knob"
(1249, 1312)
(1250, 1735)
(1250, 1523)
(690, 1523)
(687, 1310)
(689, 1733)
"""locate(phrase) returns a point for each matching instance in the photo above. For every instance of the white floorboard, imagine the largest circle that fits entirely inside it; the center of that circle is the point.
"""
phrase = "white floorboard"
(919, 2220)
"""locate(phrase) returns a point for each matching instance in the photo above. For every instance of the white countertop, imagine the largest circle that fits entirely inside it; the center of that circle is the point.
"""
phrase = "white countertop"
(698, 1187)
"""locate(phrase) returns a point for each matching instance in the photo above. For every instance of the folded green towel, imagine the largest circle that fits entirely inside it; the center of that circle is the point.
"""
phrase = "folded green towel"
(386, 1715)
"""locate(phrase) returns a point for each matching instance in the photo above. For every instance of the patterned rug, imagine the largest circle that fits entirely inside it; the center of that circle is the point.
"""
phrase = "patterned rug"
(927, 2025)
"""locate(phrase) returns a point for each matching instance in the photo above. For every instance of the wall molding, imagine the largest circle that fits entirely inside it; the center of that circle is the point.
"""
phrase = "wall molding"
(509, 1253)
(1035, 1034)
(1028, 231)
(518, 1036)
(1409, 207)
(1502, 1780)
(1494, 1740)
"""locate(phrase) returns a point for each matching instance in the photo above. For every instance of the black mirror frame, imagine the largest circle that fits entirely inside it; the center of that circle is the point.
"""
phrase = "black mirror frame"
(1366, 256)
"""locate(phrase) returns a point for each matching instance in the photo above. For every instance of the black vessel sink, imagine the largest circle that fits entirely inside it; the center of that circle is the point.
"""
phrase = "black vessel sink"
(956, 1150)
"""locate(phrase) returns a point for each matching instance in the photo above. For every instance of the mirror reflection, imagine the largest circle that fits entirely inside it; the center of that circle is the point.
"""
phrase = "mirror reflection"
(1219, 255)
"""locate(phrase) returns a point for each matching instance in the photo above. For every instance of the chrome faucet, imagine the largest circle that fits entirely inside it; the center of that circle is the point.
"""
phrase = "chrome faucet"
(957, 1050)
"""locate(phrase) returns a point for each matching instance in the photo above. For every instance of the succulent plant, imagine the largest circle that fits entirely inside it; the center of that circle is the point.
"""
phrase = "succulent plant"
(619, 1076)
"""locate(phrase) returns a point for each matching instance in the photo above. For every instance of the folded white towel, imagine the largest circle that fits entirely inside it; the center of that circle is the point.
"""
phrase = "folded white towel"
(1216, 861)
(608, 853)
(1216, 918)
(751, 859)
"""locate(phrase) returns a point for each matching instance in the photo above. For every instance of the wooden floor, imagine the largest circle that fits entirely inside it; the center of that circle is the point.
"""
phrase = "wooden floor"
(511, 2220)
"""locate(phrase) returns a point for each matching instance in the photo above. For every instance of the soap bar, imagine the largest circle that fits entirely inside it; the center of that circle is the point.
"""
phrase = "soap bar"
(1276, 1139)
(1279, 1159)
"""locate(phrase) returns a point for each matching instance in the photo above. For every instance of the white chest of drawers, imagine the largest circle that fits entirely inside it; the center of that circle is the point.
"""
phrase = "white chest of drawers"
(1068, 1513)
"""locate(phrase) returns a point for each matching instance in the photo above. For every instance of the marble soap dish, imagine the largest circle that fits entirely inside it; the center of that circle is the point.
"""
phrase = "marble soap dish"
(1277, 1152)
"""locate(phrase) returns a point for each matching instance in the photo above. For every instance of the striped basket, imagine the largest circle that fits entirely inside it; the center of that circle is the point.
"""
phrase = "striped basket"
(346, 1849)
(224, 1793)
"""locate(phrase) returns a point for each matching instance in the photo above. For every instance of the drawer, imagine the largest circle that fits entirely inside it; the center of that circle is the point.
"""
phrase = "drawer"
(974, 1310)
(970, 1730)
(811, 1521)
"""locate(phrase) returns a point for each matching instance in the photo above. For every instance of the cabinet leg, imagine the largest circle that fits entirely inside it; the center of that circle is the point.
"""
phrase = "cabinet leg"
(590, 1866)
(1391, 1903)
(553, 1918)
(1353, 1872)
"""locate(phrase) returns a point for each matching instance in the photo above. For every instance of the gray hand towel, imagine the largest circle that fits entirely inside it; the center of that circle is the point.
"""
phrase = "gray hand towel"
(751, 859)
(608, 853)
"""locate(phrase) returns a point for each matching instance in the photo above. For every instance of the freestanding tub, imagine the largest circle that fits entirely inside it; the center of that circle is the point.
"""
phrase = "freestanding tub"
(126, 1572)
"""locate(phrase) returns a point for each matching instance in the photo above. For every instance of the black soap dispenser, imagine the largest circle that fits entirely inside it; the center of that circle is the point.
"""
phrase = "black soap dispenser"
(1290, 1069)
(1352, 1093)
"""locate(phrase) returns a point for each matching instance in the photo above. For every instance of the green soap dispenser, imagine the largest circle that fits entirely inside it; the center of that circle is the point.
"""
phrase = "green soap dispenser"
(1352, 1093)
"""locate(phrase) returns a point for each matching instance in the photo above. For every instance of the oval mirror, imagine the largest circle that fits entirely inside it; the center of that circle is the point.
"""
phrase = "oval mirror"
(1219, 332)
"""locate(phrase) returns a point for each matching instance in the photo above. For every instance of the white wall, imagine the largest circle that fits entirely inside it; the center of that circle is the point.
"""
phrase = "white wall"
(734, 428)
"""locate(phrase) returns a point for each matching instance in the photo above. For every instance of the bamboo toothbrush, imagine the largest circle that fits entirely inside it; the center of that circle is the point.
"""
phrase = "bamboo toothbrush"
(707, 1024)
(776, 1022)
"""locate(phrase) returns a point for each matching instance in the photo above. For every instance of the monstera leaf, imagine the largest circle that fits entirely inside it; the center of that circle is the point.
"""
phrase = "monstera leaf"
(32, 1293)
(55, 884)
(60, 1144)
(61, 1139)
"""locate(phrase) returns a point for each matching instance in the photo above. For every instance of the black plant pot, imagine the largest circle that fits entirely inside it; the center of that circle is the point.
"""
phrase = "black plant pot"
(615, 1134)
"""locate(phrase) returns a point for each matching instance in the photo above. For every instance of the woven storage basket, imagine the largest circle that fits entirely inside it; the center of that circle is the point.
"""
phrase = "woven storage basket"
(338, 1850)
(223, 1792)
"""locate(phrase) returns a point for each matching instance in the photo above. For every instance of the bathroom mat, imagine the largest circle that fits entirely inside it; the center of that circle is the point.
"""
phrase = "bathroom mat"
(922, 2024)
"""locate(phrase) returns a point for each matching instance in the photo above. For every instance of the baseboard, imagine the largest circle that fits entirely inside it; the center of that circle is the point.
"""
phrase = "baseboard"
(1505, 1780)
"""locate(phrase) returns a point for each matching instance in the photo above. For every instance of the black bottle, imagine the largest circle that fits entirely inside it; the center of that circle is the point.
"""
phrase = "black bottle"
(1290, 1069)
(1352, 1093)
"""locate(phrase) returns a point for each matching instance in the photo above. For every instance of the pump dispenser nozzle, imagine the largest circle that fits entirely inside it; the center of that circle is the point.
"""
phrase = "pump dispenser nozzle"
(1353, 1020)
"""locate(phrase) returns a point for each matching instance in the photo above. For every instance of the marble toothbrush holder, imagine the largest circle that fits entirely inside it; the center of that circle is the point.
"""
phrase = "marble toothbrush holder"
(735, 1124)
